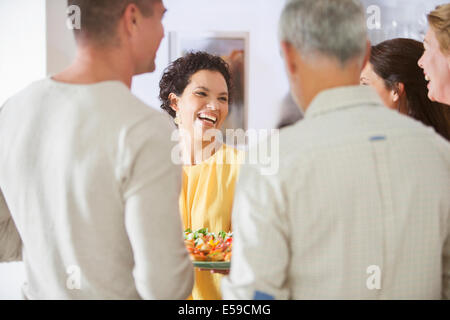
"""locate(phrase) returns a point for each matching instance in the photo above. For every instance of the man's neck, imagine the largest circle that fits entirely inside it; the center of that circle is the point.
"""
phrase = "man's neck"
(93, 65)
(326, 78)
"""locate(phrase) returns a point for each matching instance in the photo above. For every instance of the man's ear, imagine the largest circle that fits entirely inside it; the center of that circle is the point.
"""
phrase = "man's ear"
(173, 99)
(289, 54)
(367, 55)
(131, 17)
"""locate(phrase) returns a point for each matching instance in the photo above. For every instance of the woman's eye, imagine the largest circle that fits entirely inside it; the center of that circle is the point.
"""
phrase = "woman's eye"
(200, 93)
(223, 99)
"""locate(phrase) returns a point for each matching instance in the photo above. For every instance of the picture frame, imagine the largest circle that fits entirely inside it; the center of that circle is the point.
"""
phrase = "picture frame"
(233, 47)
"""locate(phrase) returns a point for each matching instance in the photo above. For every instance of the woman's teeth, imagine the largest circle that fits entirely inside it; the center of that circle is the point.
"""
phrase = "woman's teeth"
(207, 118)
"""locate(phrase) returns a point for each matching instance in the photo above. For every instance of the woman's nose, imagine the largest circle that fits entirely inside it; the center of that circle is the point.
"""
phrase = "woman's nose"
(212, 105)
(419, 62)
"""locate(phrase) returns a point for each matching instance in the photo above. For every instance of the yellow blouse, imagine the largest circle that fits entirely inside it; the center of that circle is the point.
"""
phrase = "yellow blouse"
(206, 201)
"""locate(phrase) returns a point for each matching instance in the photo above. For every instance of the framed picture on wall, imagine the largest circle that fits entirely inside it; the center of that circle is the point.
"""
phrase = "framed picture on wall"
(233, 48)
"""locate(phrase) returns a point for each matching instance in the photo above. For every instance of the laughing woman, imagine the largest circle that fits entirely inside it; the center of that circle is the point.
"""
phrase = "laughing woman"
(195, 90)
(393, 72)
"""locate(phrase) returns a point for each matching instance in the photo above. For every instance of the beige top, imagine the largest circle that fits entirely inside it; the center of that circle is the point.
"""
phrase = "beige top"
(87, 175)
(359, 209)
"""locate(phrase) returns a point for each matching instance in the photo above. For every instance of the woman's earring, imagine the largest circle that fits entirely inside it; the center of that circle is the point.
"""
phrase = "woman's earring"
(177, 119)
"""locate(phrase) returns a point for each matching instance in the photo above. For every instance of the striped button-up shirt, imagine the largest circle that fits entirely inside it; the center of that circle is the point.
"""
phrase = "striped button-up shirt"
(359, 208)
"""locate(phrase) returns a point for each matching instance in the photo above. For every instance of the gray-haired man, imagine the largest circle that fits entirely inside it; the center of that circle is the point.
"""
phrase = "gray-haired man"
(359, 208)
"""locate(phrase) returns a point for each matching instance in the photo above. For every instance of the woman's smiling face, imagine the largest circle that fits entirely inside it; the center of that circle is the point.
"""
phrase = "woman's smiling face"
(436, 67)
(203, 104)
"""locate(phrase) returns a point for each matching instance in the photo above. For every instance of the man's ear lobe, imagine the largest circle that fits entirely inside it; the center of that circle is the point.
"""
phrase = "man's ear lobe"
(289, 53)
(130, 15)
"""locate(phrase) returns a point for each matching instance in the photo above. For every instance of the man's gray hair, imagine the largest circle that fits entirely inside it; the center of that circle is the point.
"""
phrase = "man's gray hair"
(334, 28)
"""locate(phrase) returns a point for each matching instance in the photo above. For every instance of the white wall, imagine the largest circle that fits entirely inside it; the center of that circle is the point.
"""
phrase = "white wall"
(22, 36)
(401, 18)
(60, 42)
(267, 81)
(22, 60)
(12, 276)
(268, 84)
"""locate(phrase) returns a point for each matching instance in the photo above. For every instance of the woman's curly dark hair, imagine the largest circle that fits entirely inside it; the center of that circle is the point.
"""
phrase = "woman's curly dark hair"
(178, 74)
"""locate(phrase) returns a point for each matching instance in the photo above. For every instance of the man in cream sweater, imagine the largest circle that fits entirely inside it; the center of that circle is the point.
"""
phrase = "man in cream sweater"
(89, 193)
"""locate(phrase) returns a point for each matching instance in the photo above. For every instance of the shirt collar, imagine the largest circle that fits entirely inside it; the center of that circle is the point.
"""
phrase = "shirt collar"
(339, 98)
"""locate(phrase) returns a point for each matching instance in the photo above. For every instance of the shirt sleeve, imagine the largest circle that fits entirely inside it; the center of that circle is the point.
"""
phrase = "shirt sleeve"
(446, 269)
(446, 264)
(444, 147)
(260, 246)
(10, 241)
(163, 269)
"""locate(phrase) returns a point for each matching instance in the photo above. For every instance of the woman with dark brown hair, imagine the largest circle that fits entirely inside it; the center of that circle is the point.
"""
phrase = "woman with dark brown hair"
(395, 75)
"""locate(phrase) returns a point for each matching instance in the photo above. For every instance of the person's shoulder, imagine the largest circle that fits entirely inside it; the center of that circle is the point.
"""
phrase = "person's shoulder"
(408, 127)
(116, 99)
(118, 95)
(296, 139)
(232, 150)
(441, 144)
(272, 157)
(34, 88)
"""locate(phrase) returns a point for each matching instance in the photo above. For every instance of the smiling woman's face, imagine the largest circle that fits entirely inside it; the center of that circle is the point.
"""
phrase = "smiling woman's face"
(436, 67)
(204, 102)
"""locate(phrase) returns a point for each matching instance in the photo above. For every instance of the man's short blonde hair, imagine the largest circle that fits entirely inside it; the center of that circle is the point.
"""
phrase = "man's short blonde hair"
(439, 21)
(99, 18)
